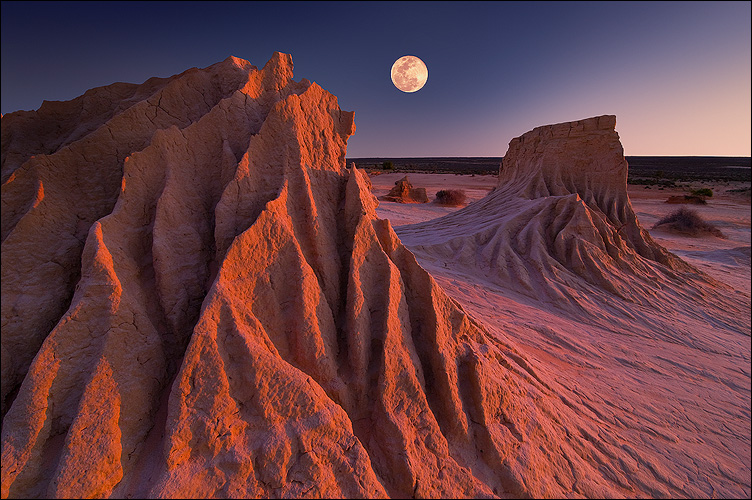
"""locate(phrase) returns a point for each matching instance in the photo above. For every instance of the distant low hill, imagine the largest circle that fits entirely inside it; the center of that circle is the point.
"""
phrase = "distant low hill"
(730, 168)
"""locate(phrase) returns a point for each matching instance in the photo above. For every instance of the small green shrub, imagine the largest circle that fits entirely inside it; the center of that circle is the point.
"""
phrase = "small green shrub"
(706, 192)
(689, 222)
(451, 197)
(387, 165)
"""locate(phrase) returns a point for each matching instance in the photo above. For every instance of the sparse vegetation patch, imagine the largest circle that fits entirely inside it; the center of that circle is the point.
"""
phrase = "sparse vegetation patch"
(451, 197)
(687, 198)
(688, 222)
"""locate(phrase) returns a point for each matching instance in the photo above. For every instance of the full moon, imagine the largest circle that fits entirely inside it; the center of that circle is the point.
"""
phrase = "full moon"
(409, 73)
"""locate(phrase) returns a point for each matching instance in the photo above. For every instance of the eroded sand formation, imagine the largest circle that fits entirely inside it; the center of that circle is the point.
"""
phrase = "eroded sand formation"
(198, 300)
(404, 192)
(560, 226)
(650, 351)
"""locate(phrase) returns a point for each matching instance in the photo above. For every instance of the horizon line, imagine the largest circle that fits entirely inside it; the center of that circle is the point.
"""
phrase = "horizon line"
(502, 156)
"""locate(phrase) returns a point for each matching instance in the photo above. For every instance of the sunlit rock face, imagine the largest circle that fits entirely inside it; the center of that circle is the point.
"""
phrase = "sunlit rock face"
(198, 300)
(404, 192)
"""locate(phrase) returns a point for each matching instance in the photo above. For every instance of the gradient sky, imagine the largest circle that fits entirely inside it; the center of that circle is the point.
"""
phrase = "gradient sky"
(675, 74)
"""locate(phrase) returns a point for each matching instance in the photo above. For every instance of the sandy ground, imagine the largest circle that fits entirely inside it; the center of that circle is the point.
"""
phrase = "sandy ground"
(671, 385)
(726, 259)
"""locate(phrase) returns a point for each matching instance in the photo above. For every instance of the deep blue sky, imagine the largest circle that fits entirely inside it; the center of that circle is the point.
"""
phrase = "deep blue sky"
(676, 74)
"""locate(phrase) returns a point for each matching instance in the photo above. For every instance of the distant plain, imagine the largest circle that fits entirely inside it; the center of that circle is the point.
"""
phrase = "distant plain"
(659, 168)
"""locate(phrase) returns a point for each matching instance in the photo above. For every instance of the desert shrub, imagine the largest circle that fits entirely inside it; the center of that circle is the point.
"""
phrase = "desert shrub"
(687, 198)
(706, 192)
(387, 165)
(450, 197)
(688, 221)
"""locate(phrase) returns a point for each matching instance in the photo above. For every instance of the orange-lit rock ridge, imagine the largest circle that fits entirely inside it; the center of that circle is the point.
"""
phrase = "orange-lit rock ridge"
(198, 300)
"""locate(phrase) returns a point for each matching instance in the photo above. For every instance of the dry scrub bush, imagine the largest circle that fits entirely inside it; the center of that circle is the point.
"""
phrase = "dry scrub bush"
(687, 198)
(452, 197)
(689, 222)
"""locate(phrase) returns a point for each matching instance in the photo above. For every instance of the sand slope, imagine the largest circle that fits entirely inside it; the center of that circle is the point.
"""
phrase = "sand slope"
(650, 350)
